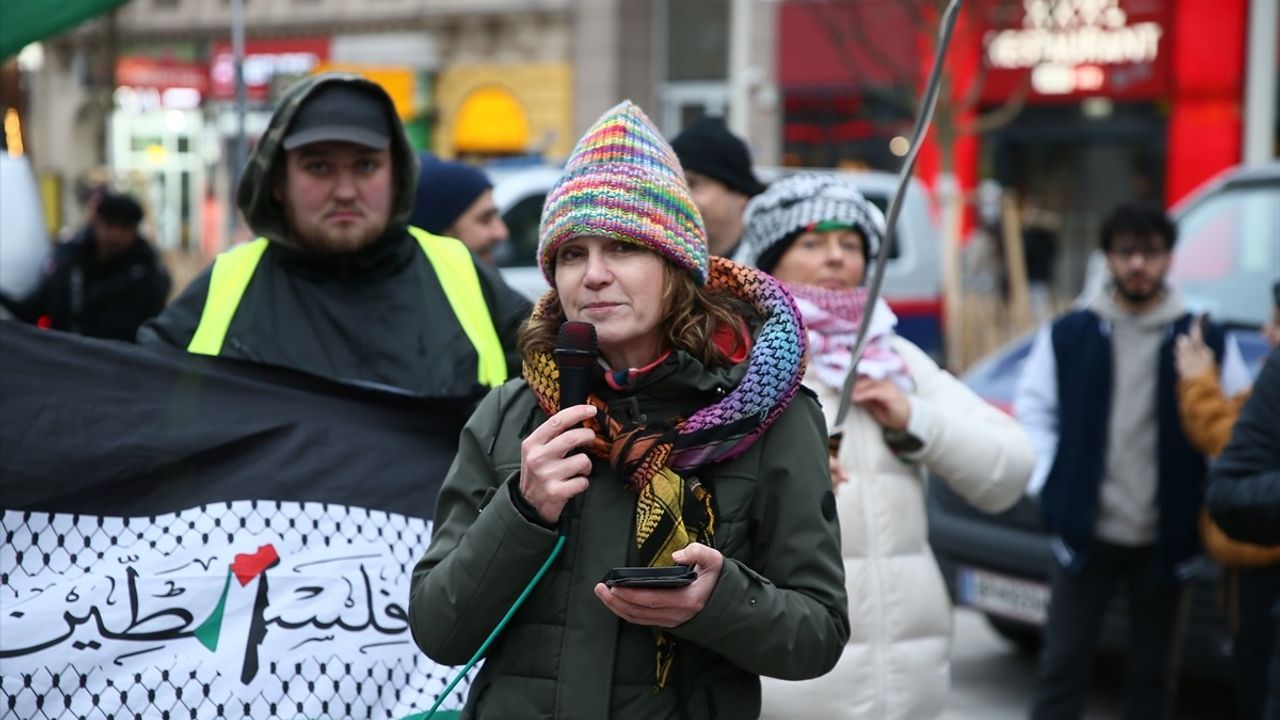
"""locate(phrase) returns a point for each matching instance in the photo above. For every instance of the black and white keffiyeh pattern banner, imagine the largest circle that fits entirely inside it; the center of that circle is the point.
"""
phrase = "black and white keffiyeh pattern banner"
(193, 538)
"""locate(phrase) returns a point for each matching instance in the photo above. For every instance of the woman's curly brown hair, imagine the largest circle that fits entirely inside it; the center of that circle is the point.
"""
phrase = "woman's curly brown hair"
(692, 314)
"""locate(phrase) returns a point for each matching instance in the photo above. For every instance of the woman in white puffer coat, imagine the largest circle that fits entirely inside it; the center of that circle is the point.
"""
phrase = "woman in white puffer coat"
(817, 233)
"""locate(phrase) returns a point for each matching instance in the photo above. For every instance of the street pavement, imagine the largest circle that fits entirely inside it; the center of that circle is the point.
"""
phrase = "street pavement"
(992, 680)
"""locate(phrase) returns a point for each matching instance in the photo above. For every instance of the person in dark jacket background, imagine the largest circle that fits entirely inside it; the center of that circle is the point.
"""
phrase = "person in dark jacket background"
(1118, 484)
(456, 200)
(338, 284)
(104, 282)
(1251, 573)
(1244, 487)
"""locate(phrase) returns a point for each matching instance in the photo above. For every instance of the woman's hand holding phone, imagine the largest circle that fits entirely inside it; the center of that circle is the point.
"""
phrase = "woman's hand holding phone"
(667, 607)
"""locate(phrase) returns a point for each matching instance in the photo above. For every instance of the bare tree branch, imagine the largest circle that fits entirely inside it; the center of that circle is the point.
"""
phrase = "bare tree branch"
(1005, 113)
(832, 23)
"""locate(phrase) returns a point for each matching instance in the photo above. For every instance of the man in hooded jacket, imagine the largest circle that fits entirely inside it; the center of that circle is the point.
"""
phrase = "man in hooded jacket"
(338, 284)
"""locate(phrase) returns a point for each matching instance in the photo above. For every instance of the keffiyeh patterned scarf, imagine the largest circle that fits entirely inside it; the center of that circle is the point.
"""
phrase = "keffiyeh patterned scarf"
(670, 511)
(832, 319)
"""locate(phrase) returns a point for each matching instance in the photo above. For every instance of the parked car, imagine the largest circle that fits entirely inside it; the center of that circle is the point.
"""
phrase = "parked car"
(1226, 258)
(913, 284)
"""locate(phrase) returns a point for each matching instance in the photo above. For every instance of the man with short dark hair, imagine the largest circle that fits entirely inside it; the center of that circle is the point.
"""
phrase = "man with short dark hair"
(104, 282)
(717, 165)
(337, 283)
(456, 200)
(1118, 483)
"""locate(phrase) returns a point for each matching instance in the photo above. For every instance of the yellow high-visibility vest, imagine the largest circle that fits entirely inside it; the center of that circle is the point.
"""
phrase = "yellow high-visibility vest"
(232, 271)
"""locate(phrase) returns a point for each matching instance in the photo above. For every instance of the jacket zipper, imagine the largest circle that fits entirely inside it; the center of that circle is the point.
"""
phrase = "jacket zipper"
(863, 478)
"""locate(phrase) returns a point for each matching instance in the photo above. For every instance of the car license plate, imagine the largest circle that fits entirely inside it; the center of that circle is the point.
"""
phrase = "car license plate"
(1003, 595)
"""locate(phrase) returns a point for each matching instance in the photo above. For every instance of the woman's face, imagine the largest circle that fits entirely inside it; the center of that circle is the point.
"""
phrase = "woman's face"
(829, 259)
(618, 287)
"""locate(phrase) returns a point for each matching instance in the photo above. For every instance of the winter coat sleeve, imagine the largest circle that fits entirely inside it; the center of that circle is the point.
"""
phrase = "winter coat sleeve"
(483, 552)
(1035, 404)
(30, 307)
(1244, 484)
(980, 451)
(1207, 414)
(176, 325)
(787, 615)
(509, 310)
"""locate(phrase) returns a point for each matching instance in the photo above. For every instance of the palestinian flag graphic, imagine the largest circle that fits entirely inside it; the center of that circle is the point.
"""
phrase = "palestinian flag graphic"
(187, 537)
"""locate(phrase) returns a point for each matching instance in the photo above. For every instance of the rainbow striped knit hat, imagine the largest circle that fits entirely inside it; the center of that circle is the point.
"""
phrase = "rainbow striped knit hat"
(623, 181)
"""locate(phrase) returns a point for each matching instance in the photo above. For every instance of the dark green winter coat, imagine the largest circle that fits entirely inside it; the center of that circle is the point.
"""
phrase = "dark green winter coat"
(779, 607)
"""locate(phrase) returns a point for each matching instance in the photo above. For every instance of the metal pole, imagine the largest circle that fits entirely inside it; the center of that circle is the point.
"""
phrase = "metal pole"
(924, 115)
(1260, 82)
(235, 166)
(739, 65)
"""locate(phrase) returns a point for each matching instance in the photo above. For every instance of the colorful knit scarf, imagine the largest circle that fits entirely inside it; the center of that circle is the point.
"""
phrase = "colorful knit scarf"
(832, 319)
(670, 511)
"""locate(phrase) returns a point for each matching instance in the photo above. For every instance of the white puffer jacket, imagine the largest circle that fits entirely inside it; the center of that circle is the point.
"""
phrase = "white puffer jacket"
(897, 664)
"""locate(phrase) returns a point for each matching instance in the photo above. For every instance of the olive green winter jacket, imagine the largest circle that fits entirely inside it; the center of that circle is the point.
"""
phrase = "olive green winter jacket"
(779, 607)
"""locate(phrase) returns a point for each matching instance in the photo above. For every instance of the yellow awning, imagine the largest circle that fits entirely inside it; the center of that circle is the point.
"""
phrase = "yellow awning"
(491, 121)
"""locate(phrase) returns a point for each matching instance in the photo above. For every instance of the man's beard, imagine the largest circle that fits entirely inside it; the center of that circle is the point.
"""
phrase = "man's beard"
(1138, 297)
(338, 243)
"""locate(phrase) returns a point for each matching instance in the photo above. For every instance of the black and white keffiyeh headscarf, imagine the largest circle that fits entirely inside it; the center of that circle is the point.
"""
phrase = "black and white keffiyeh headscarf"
(798, 202)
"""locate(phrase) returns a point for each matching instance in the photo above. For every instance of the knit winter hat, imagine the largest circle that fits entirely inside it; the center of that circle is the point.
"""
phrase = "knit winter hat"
(709, 148)
(624, 182)
(445, 191)
(794, 204)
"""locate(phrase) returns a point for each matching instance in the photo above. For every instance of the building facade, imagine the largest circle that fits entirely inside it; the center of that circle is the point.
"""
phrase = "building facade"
(1074, 105)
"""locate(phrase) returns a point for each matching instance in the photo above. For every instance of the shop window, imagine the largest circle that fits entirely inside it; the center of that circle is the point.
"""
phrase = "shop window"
(697, 40)
(849, 127)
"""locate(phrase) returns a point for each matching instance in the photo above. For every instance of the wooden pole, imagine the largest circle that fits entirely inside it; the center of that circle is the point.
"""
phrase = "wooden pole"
(1015, 265)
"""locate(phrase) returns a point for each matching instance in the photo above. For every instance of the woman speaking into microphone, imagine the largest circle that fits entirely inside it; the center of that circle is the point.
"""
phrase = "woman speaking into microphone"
(693, 449)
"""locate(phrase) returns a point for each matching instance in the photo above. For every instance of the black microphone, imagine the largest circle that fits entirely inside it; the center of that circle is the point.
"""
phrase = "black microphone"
(575, 355)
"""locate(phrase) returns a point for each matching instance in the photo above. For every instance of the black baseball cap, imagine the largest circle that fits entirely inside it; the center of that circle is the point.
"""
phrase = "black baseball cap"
(341, 112)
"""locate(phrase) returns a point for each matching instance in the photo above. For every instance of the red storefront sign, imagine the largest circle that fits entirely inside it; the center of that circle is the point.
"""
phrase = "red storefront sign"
(263, 60)
(145, 72)
(1069, 49)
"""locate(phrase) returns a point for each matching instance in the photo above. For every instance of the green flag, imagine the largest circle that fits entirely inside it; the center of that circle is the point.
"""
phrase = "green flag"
(26, 21)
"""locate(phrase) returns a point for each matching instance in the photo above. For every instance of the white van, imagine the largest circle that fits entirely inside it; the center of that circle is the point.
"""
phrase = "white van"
(913, 280)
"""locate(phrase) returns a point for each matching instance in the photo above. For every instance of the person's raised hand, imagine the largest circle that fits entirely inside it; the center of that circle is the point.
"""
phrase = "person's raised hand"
(549, 474)
(884, 401)
(837, 472)
(668, 607)
(1190, 355)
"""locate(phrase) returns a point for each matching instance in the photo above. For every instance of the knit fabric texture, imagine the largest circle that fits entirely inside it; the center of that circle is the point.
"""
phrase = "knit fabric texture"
(726, 428)
(623, 182)
(793, 204)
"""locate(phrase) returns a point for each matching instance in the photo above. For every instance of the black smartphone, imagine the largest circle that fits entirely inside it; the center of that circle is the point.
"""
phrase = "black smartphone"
(650, 577)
